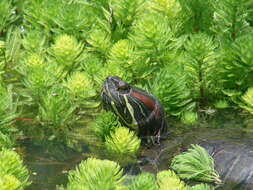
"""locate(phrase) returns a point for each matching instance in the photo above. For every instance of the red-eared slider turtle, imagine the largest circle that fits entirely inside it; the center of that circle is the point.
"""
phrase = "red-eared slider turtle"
(136, 108)
(232, 149)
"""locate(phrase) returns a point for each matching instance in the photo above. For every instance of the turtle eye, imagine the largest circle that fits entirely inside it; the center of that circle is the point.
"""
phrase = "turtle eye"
(122, 86)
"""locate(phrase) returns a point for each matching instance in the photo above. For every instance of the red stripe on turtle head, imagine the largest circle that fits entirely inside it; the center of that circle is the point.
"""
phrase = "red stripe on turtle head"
(149, 102)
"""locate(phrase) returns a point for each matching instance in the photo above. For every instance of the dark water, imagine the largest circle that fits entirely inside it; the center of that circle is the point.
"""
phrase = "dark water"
(49, 167)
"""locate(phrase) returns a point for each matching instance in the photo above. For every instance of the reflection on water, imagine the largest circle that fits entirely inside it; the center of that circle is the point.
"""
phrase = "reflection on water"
(49, 168)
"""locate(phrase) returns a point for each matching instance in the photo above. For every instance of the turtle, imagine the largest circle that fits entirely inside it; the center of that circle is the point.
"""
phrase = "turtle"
(136, 108)
(232, 149)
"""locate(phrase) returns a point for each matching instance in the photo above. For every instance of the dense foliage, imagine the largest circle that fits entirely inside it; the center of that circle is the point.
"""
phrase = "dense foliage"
(191, 54)
(54, 56)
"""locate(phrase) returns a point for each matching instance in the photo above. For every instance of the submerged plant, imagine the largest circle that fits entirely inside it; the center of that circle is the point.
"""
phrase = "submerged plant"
(168, 180)
(122, 144)
(144, 181)
(8, 112)
(13, 173)
(95, 174)
(247, 100)
(221, 104)
(195, 164)
(56, 114)
(200, 187)
(105, 124)
(189, 117)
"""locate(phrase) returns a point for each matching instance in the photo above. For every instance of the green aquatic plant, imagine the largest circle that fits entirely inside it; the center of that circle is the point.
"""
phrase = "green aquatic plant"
(12, 51)
(13, 172)
(105, 124)
(8, 112)
(122, 144)
(200, 62)
(169, 8)
(168, 180)
(95, 174)
(171, 89)
(39, 75)
(34, 41)
(56, 115)
(125, 13)
(144, 181)
(122, 53)
(189, 117)
(10, 182)
(152, 36)
(230, 19)
(80, 86)
(247, 100)
(196, 15)
(221, 104)
(8, 106)
(200, 187)
(8, 15)
(100, 42)
(73, 18)
(195, 164)
(236, 67)
(66, 50)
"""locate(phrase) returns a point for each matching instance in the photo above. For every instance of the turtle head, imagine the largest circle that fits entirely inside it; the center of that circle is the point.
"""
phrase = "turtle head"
(113, 90)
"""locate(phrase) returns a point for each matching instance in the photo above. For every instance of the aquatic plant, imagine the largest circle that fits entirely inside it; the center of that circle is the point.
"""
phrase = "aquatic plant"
(122, 53)
(143, 181)
(236, 67)
(9, 182)
(200, 187)
(14, 175)
(194, 53)
(122, 145)
(105, 124)
(56, 113)
(247, 100)
(80, 86)
(66, 50)
(200, 61)
(8, 112)
(195, 164)
(169, 8)
(171, 89)
(221, 104)
(189, 118)
(225, 26)
(7, 15)
(95, 174)
(168, 180)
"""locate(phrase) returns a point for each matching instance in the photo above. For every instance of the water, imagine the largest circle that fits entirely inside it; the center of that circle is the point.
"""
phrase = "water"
(49, 166)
